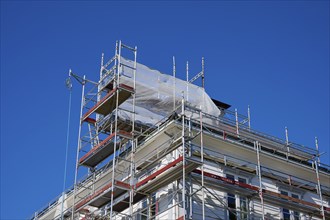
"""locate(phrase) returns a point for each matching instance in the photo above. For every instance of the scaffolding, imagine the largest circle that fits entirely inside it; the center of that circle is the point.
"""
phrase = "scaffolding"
(185, 165)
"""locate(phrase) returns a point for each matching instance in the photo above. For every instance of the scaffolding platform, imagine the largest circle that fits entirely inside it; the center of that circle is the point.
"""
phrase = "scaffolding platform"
(158, 154)
(123, 201)
(166, 175)
(251, 191)
(101, 151)
(297, 183)
(158, 179)
(122, 124)
(103, 195)
(108, 103)
(155, 181)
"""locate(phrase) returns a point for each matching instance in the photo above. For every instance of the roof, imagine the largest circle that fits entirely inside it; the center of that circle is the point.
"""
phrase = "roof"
(221, 104)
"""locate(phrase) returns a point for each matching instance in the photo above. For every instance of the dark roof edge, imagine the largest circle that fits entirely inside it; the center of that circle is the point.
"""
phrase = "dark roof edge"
(221, 104)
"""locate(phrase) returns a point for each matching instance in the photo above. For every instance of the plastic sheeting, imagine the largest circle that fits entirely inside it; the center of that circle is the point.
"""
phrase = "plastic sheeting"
(156, 93)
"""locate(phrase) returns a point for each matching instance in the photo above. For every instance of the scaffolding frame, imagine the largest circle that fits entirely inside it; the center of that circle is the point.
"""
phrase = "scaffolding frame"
(120, 181)
(103, 99)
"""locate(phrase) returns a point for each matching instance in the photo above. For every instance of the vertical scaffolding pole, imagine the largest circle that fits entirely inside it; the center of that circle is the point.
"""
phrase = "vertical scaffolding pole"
(236, 119)
(317, 162)
(257, 144)
(116, 59)
(174, 108)
(93, 143)
(132, 170)
(184, 160)
(99, 87)
(317, 148)
(78, 145)
(115, 130)
(174, 82)
(249, 117)
(287, 143)
(102, 63)
(202, 160)
(190, 179)
(319, 188)
(203, 72)
(187, 76)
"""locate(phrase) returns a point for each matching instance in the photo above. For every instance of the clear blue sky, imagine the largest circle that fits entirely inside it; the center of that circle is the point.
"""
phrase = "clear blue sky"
(271, 55)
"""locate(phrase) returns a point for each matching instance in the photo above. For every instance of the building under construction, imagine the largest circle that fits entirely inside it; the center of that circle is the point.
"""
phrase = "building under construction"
(152, 146)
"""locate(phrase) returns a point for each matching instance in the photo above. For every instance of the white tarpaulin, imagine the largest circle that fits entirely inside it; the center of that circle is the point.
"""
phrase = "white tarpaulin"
(156, 92)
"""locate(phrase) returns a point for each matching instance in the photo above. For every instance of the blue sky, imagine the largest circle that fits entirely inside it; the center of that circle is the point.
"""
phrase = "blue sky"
(271, 55)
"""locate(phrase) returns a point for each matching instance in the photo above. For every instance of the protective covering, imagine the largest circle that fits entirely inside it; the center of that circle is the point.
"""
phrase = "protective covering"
(156, 93)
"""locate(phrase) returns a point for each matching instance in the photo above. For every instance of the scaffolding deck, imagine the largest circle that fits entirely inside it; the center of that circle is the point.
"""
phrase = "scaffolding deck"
(303, 184)
(108, 103)
(156, 180)
(237, 187)
(165, 175)
(229, 130)
(101, 151)
(161, 152)
(124, 125)
(103, 195)
(123, 203)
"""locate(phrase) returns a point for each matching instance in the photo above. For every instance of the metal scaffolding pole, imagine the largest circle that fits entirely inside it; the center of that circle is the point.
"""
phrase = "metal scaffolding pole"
(316, 162)
(257, 144)
(132, 170)
(174, 86)
(187, 76)
(174, 185)
(184, 160)
(99, 86)
(317, 149)
(287, 143)
(116, 127)
(236, 120)
(203, 74)
(101, 76)
(202, 160)
(78, 145)
(249, 117)
(190, 179)
(319, 188)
